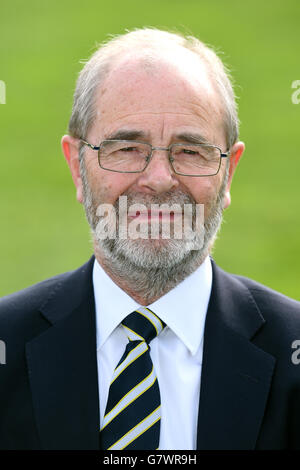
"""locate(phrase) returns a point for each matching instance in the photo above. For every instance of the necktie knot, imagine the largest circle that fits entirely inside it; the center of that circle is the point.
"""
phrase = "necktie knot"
(143, 324)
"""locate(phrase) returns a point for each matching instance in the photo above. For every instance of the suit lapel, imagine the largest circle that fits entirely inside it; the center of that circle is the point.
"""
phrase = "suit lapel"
(62, 366)
(236, 374)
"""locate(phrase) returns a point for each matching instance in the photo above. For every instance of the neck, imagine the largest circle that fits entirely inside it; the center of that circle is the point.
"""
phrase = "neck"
(147, 285)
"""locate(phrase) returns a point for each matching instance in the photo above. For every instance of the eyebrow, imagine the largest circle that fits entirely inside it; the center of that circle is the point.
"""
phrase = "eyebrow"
(191, 138)
(124, 134)
(134, 134)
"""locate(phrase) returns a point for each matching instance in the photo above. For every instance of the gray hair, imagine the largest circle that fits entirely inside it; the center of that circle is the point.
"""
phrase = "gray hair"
(98, 66)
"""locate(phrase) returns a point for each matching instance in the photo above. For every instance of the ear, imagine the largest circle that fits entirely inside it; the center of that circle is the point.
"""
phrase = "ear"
(70, 148)
(236, 152)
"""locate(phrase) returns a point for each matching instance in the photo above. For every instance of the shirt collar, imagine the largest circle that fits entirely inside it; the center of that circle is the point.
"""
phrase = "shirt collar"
(183, 308)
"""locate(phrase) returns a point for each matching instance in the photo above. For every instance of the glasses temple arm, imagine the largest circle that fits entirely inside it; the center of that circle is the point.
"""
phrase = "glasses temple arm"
(93, 147)
(223, 155)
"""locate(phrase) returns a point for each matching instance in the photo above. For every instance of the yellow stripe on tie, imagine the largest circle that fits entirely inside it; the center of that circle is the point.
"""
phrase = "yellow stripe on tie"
(135, 432)
(158, 319)
(130, 397)
(143, 347)
(142, 432)
(136, 336)
(152, 318)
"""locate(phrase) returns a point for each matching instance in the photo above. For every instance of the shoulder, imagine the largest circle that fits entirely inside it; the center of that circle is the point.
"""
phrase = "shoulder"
(266, 298)
(20, 316)
(240, 298)
(21, 313)
(31, 297)
(269, 299)
(280, 312)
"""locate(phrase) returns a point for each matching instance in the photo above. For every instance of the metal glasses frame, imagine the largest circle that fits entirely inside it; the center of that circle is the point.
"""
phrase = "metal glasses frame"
(151, 149)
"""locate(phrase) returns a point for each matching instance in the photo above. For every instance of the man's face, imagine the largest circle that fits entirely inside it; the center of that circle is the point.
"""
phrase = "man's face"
(170, 101)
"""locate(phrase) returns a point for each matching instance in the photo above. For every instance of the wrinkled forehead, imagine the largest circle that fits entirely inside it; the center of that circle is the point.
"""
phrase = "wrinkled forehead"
(172, 76)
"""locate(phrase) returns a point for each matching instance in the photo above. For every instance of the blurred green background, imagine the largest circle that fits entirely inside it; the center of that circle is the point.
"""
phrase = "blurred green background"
(43, 228)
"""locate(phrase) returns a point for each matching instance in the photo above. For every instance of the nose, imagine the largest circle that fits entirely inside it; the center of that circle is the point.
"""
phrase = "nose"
(159, 176)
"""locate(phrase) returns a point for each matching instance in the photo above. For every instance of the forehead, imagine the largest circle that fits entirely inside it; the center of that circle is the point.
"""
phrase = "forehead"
(170, 88)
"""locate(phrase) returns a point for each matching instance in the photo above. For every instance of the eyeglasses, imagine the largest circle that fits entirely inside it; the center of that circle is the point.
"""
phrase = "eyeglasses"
(128, 156)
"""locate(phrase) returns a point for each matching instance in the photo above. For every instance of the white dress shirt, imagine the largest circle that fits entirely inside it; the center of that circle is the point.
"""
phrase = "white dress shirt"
(176, 353)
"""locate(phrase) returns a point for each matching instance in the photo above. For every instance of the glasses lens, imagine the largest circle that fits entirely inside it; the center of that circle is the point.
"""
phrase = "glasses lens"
(121, 155)
(196, 160)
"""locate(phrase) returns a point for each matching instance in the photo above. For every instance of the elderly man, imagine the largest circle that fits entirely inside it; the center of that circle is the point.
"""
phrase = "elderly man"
(150, 345)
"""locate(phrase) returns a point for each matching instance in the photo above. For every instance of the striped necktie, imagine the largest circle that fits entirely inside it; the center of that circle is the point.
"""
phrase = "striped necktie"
(132, 415)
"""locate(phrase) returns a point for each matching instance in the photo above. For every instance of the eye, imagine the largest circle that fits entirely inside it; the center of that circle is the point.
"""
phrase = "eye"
(128, 149)
(190, 152)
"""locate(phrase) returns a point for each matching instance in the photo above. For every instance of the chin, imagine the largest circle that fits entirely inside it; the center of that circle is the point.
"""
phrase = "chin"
(153, 254)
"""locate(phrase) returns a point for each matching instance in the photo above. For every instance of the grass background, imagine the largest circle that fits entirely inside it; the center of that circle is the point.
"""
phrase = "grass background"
(43, 228)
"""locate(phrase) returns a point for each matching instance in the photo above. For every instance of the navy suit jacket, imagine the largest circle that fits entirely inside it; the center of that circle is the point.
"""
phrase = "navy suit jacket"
(250, 387)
